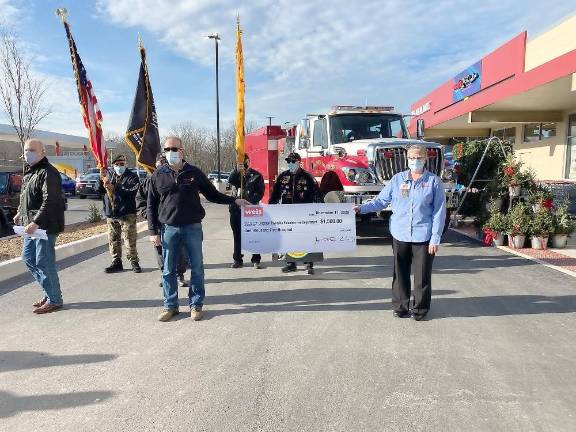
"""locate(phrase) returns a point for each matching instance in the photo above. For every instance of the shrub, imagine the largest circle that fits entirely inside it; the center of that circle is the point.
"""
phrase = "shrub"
(563, 222)
(542, 223)
(94, 214)
(519, 219)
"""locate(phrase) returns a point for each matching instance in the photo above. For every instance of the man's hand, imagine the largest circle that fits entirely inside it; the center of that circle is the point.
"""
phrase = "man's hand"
(433, 249)
(242, 202)
(16, 219)
(30, 228)
(155, 240)
(356, 209)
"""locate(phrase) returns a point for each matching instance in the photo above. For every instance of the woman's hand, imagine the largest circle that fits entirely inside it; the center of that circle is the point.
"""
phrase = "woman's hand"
(356, 209)
(433, 249)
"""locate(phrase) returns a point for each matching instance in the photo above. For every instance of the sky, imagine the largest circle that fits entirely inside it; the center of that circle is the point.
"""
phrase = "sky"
(301, 56)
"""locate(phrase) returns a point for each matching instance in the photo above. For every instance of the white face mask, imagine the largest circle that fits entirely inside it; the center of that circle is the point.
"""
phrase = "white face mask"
(119, 169)
(293, 166)
(416, 165)
(30, 157)
(173, 158)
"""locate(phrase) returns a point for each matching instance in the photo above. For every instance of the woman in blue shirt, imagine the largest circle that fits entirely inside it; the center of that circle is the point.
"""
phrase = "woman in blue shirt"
(416, 225)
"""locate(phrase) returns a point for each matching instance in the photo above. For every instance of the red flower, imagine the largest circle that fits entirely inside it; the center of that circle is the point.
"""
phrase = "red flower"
(548, 203)
(509, 171)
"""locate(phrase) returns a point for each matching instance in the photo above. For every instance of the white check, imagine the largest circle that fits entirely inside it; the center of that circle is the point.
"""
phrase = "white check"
(285, 228)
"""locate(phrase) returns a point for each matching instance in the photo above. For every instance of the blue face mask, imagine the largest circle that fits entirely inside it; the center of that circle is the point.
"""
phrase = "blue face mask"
(30, 157)
(173, 158)
(293, 166)
(416, 165)
(119, 169)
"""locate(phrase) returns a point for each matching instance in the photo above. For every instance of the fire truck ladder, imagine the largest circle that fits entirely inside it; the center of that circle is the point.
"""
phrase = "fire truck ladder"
(489, 142)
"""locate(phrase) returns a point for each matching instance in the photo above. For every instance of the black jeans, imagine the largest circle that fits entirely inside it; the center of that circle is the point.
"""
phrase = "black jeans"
(414, 256)
(235, 220)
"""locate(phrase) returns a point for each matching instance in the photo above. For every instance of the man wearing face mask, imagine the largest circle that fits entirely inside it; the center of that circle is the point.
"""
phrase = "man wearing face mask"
(250, 186)
(41, 206)
(174, 203)
(119, 193)
(295, 186)
(417, 221)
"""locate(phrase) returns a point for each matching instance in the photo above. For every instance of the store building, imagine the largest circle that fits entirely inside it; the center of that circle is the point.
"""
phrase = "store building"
(524, 91)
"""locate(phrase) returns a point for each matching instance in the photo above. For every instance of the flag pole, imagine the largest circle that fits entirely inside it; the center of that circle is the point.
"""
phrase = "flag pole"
(240, 109)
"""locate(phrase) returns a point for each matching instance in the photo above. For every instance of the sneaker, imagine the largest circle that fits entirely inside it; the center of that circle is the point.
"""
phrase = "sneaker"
(288, 268)
(258, 266)
(47, 308)
(236, 264)
(310, 269)
(115, 267)
(418, 316)
(40, 302)
(168, 314)
(183, 282)
(136, 267)
(401, 313)
(196, 313)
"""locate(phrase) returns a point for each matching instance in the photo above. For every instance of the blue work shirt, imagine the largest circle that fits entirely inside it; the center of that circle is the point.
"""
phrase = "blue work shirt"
(419, 215)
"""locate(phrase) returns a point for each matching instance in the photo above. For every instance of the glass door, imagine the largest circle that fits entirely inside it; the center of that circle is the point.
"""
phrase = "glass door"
(571, 148)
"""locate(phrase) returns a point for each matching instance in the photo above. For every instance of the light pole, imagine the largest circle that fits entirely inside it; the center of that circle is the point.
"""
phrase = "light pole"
(216, 38)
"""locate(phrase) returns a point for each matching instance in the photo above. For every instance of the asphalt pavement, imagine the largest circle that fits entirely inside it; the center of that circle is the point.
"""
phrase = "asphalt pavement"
(78, 209)
(294, 352)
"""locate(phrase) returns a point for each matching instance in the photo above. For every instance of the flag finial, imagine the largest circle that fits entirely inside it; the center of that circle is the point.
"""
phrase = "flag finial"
(62, 13)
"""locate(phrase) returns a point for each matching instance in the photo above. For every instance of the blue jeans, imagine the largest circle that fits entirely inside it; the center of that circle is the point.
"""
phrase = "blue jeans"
(40, 258)
(190, 238)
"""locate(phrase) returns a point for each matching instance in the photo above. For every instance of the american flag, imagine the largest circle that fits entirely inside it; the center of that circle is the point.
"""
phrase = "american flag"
(88, 103)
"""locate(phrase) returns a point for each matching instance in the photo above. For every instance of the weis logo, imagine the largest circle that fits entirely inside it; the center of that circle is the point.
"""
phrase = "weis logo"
(253, 211)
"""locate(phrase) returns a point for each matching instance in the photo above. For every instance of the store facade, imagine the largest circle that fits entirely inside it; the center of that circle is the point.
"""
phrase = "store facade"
(524, 92)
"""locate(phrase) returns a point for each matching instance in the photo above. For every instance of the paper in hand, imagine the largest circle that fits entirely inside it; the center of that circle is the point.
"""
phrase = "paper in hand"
(39, 234)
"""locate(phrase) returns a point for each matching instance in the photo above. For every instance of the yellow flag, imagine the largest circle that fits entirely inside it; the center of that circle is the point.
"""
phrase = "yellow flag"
(240, 113)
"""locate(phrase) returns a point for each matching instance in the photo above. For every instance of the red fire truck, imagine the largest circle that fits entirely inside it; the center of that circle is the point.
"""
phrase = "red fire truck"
(353, 151)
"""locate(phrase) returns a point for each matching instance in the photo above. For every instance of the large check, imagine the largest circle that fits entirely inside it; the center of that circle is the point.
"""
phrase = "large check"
(298, 227)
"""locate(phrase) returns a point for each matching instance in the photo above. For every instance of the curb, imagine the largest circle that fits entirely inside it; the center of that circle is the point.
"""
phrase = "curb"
(520, 254)
(15, 267)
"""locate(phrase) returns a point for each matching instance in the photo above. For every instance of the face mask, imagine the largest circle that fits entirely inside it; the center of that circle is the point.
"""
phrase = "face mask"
(30, 157)
(293, 167)
(119, 169)
(416, 165)
(173, 158)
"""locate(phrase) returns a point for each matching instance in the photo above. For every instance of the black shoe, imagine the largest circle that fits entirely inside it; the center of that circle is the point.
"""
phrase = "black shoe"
(401, 314)
(418, 317)
(115, 267)
(236, 264)
(310, 269)
(257, 265)
(288, 268)
(183, 282)
(136, 267)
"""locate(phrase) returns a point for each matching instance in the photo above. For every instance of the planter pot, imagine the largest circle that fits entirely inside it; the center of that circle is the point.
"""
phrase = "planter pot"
(559, 241)
(536, 207)
(539, 242)
(516, 241)
(499, 240)
(514, 191)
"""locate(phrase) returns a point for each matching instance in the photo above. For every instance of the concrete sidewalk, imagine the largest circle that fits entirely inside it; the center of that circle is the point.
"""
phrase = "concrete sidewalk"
(295, 352)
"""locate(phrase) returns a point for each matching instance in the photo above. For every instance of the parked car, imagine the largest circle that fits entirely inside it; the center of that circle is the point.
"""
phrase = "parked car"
(88, 185)
(68, 185)
(10, 183)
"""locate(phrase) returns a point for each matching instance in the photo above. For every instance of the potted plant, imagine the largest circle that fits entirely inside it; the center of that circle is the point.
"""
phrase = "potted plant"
(541, 225)
(564, 225)
(540, 197)
(496, 225)
(518, 225)
(512, 175)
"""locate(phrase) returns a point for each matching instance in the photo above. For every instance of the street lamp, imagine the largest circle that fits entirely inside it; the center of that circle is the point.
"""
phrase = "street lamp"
(216, 38)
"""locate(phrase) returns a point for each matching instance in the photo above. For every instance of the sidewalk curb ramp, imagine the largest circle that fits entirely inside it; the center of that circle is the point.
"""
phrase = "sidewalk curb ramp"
(16, 267)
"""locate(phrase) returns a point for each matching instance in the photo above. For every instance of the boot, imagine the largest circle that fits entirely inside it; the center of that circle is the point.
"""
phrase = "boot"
(310, 268)
(136, 267)
(115, 267)
(288, 268)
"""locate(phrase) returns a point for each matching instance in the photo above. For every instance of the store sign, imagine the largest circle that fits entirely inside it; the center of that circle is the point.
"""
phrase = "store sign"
(421, 109)
(467, 82)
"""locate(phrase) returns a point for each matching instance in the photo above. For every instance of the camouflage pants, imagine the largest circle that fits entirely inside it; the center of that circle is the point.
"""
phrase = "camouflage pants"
(124, 226)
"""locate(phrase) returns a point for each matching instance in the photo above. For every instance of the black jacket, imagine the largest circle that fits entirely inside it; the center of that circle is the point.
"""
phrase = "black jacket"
(142, 197)
(252, 186)
(41, 199)
(124, 194)
(298, 188)
(174, 197)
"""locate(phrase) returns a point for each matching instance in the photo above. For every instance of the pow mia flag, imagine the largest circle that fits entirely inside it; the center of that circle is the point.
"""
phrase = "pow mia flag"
(142, 134)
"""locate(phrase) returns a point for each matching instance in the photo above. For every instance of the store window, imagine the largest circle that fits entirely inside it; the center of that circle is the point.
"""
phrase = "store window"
(508, 134)
(539, 131)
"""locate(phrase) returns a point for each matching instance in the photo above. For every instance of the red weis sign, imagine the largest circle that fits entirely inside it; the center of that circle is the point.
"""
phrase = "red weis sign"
(253, 211)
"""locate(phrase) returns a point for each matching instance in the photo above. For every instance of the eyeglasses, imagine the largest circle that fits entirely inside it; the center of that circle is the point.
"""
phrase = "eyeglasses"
(171, 149)
(416, 158)
(118, 163)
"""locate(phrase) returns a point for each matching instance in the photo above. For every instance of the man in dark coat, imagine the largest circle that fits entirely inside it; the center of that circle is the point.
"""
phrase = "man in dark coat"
(41, 206)
(250, 186)
(296, 186)
(119, 191)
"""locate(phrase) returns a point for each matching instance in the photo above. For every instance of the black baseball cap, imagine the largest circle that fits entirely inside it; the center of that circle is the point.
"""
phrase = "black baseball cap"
(293, 156)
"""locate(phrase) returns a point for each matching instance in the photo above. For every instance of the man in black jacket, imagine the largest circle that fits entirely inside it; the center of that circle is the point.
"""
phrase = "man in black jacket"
(120, 209)
(41, 206)
(251, 188)
(141, 207)
(295, 186)
(174, 204)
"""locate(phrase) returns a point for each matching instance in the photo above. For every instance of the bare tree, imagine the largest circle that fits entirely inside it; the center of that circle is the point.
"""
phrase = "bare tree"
(21, 93)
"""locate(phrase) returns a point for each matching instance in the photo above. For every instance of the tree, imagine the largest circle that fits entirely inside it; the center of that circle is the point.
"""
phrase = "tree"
(21, 93)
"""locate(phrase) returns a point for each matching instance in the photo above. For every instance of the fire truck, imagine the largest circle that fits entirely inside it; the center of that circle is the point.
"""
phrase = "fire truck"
(352, 152)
